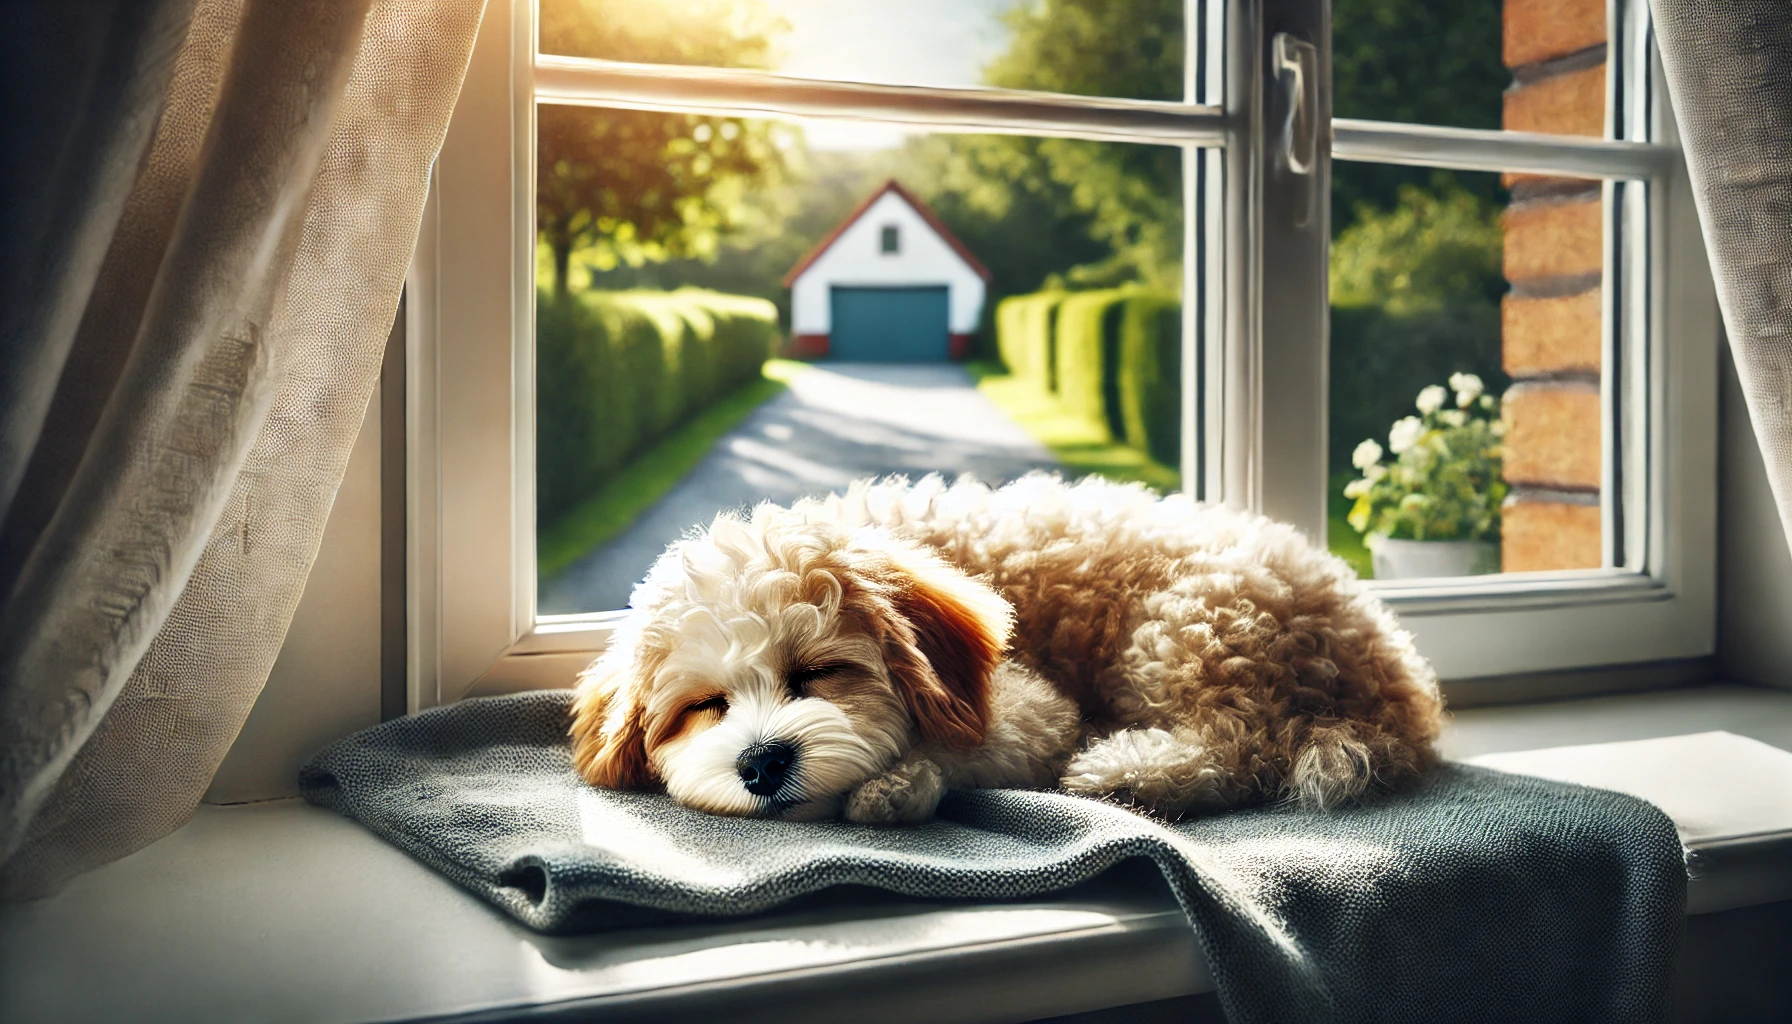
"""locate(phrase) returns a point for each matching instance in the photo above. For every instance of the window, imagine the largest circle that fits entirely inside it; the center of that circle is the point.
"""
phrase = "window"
(1302, 280)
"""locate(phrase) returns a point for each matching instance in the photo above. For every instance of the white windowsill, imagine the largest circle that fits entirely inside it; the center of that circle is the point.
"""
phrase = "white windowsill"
(282, 911)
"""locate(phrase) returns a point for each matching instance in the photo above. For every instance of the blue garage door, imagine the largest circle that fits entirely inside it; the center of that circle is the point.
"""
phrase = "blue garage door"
(888, 325)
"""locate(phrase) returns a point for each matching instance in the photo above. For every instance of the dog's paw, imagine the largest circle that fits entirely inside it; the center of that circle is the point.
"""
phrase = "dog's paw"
(1155, 770)
(906, 793)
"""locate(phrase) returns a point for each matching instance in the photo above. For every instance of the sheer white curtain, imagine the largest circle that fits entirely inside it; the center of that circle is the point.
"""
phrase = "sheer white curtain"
(210, 265)
(1729, 70)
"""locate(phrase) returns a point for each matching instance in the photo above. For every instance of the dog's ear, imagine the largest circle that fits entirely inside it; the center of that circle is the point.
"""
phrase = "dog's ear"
(942, 644)
(609, 740)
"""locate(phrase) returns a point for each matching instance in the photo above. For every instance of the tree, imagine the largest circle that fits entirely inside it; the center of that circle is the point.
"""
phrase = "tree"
(1420, 62)
(633, 187)
(1129, 195)
(1126, 48)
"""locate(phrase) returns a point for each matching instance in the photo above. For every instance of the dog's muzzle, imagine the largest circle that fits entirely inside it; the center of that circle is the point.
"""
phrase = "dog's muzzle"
(765, 767)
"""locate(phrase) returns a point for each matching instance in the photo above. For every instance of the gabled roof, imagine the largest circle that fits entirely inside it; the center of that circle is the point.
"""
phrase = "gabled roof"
(933, 221)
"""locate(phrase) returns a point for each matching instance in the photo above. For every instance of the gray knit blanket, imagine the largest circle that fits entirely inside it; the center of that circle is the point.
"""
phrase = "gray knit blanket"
(1476, 896)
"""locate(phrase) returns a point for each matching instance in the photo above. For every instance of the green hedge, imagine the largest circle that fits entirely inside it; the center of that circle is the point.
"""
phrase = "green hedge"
(1088, 357)
(1150, 375)
(1024, 336)
(615, 371)
(1113, 356)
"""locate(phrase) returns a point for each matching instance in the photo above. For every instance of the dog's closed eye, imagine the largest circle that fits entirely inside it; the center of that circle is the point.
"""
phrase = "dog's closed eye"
(799, 678)
(718, 704)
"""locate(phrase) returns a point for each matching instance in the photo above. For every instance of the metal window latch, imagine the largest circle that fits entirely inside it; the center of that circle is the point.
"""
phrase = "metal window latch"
(1296, 64)
(1297, 76)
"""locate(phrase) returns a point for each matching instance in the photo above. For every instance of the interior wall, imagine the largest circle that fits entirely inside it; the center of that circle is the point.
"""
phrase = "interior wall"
(326, 682)
(1754, 628)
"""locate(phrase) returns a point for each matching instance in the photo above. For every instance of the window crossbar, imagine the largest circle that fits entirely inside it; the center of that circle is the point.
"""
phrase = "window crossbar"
(582, 81)
(1474, 149)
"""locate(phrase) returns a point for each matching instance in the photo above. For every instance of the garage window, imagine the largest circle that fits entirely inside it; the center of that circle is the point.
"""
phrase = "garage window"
(1120, 238)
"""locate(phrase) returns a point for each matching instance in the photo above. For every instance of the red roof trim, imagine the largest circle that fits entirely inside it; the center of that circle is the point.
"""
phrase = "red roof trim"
(933, 221)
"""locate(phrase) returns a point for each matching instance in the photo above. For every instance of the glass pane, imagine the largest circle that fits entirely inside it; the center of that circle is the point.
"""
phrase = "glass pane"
(1122, 48)
(1522, 65)
(736, 310)
(1467, 344)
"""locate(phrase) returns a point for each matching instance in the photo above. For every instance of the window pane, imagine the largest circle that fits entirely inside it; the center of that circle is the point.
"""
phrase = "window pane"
(1522, 65)
(736, 310)
(1123, 48)
(1466, 360)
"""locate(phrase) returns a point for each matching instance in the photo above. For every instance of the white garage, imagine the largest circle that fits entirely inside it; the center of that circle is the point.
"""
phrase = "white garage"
(890, 284)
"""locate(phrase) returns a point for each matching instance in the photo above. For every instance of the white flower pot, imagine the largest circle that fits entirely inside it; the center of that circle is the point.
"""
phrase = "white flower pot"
(1421, 559)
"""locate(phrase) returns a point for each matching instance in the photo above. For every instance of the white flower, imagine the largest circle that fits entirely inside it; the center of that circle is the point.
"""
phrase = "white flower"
(1367, 454)
(1468, 387)
(1374, 473)
(1405, 434)
(1356, 489)
(1453, 417)
(1431, 399)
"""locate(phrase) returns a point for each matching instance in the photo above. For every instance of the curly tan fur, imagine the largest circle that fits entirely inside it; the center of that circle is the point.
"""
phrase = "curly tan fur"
(1178, 656)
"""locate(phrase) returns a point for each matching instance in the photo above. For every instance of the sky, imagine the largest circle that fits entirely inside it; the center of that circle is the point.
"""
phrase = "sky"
(910, 42)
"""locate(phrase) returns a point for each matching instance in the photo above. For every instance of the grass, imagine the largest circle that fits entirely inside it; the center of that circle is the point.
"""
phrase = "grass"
(648, 477)
(1340, 536)
(1083, 446)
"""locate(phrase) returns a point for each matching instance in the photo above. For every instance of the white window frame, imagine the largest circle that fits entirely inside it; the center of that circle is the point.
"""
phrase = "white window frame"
(473, 626)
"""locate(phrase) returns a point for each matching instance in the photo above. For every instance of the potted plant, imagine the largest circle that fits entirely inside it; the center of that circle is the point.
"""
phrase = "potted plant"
(1433, 508)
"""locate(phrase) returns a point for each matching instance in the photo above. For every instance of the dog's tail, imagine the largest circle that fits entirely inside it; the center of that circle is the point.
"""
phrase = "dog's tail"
(1332, 769)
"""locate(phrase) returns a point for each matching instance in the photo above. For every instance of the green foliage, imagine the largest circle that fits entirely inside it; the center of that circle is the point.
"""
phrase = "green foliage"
(652, 472)
(1150, 375)
(1430, 253)
(1133, 197)
(1415, 296)
(1125, 48)
(1417, 61)
(1116, 354)
(1088, 357)
(1443, 482)
(630, 187)
(1025, 336)
(1131, 194)
(617, 370)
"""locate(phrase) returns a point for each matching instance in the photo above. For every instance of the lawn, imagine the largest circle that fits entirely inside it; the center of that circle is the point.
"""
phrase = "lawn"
(1082, 446)
(655, 471)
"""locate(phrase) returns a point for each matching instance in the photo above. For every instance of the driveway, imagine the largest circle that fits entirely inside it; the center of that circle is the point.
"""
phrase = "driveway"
(836, 423)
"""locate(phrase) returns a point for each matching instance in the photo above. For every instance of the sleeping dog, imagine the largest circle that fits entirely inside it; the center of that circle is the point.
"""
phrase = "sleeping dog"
(857, 655)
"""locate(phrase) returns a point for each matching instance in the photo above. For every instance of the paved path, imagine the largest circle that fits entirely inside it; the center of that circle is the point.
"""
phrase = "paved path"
(836, 423)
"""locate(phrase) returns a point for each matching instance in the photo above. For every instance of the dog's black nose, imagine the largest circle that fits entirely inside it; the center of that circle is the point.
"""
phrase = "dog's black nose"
(764, 767)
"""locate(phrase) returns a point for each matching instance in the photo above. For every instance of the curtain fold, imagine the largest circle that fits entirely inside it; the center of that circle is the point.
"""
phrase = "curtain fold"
(80, 89)
(1729, 72)
(194, 441)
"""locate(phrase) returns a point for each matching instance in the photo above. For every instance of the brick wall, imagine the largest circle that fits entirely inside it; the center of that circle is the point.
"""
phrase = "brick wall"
(1551, 317)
